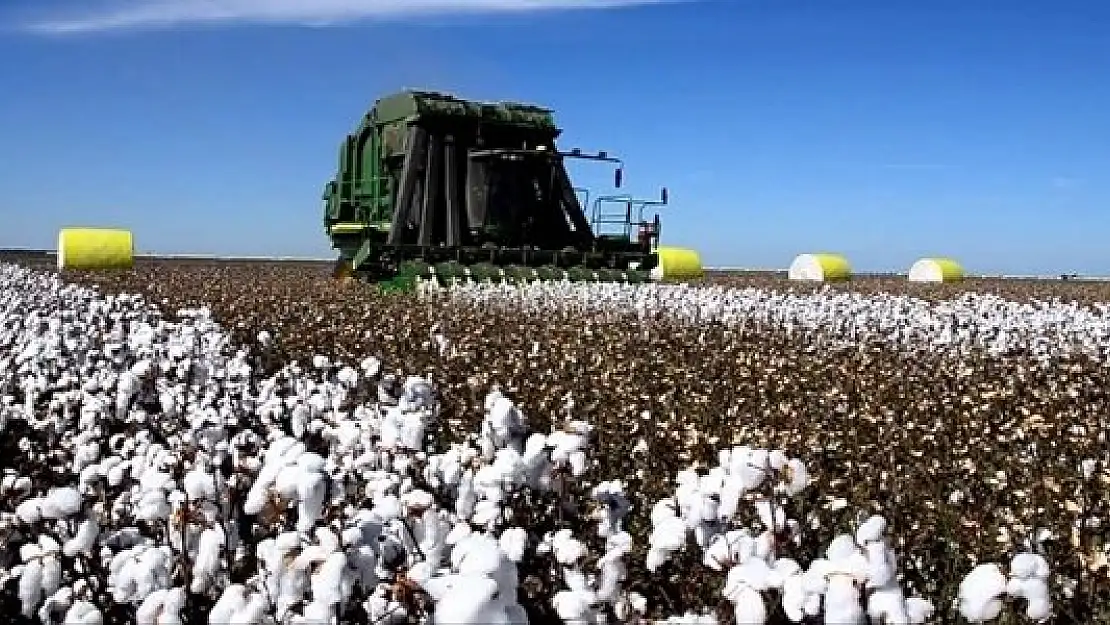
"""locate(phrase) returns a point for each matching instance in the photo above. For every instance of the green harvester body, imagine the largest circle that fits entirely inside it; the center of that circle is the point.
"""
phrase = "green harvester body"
(433, 185)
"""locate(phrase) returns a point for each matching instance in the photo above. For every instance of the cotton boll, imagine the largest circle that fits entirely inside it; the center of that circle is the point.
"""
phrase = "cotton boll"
(252, 612)
(83, 613)
(980, 591)
(207, 561)
(513, 542)
(469, 601)
(30, 551)
(842, 602)
(880, 567)
(30, 587)
(919, 610)
(1029, 581)
(575, 607)
(199, 484)
(871, 530)
(232, 600)
(886, 604)
(147, 613)
(748, 607)
(30, 510)
(51, 574)
(567, 549)
(327, 583)
(1029, 566)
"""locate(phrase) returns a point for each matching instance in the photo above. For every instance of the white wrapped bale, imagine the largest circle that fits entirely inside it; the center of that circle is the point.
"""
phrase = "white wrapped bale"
(936, 270)
(821, 267)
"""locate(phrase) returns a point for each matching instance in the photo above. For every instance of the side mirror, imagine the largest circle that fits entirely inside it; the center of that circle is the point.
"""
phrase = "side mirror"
(663, 195)
(618, 177)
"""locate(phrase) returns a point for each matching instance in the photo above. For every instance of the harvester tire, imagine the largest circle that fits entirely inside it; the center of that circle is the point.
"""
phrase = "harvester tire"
(343, 270)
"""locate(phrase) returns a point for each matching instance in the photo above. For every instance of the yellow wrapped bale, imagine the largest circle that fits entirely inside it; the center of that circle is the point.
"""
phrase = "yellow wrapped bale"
(677, 263)
(95, 248)
(936, 270)
(822, 267)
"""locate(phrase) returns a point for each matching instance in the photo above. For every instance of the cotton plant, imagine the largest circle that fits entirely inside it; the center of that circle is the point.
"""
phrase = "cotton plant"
(708, 504)
(856, 570)
(589, 594)
(983, 591)
(168, 448)
(960, 325)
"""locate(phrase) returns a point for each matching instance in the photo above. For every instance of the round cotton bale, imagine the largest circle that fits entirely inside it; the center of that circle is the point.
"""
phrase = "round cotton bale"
(95, 248)
(821, 267)
(936, 270)
(677, 263)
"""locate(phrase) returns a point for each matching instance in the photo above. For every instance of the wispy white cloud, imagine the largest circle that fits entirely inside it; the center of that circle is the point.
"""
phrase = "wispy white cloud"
(163, 14)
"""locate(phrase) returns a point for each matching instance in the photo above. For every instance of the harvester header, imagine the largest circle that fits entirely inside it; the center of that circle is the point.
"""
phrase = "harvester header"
(431, 185)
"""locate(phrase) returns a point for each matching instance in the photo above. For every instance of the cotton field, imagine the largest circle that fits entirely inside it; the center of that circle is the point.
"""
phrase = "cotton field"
(256, 443)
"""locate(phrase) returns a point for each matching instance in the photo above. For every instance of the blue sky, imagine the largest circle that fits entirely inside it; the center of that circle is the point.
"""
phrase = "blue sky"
(883, 129)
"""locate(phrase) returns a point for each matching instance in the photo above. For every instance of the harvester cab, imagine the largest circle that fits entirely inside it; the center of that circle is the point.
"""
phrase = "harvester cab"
(432, 186)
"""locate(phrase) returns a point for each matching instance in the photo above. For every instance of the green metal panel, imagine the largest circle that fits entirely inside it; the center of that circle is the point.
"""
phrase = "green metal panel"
(361, 199)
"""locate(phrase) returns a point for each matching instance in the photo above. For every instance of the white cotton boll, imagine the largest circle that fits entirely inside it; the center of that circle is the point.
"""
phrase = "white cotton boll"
(919, 610)
(880, 569)
(842, 602)
(871, 530)
(232, 600)
(458, 532)
(147, 613)
(207, 560)
(794, 598)
(200, 484)
(513, 542)
(1035, 592)
(469, 601)
(842, 547)
(315, 613)
(30, 587)
(749, 608)
(886, 604)
(412, 431)
(752, 573)
(1029, 566)
(980, 591)
(285, 484)
(83, 613)
(327, 583)
(30, 510)
(487, 513)
(30, 551)
(732, 492)
(153, 506)
(57, 603)
(567, 549)
(51, 574)
(117, 473)
(668, 533)
(777, 459)
(252, 612)
(575, 606)
(466, 498)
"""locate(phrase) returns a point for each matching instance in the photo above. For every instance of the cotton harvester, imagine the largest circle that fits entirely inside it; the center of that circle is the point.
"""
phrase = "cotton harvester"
(432, 186)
